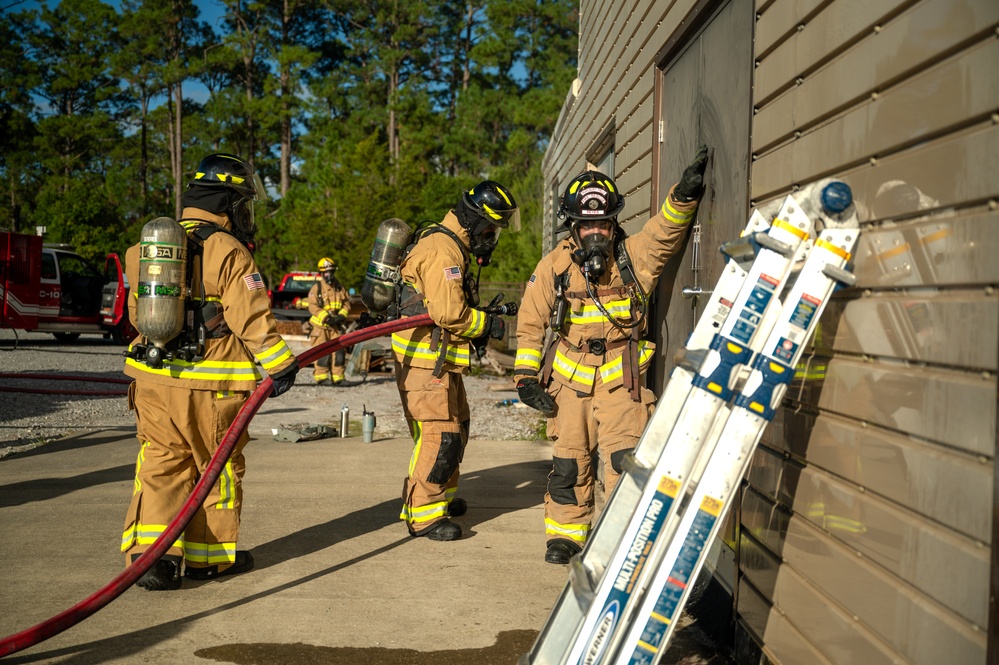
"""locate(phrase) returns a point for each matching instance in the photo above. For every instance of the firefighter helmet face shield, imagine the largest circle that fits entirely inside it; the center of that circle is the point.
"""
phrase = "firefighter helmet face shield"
(494, 203)
(234, 176)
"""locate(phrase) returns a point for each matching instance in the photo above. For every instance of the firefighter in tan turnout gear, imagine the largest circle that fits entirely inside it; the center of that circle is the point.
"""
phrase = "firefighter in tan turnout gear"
(591, 292)
(329, 304)
(186, 395)
(430, 360)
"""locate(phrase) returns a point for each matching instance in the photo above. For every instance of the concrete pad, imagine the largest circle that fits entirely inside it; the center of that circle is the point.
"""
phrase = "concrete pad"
(337, 577)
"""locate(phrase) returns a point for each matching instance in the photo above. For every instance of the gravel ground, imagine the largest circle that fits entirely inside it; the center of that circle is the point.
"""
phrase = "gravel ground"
(29, 419)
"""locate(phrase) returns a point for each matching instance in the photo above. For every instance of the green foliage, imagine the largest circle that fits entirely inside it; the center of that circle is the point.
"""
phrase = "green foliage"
(352, 113)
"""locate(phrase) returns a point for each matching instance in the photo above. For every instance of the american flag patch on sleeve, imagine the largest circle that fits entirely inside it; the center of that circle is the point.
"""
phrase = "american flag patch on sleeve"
(530, 282)
(253, 281)
(454, 272)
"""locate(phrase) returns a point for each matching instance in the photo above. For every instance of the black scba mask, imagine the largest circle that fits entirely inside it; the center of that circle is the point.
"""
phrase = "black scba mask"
(594, 248)
(483, 234)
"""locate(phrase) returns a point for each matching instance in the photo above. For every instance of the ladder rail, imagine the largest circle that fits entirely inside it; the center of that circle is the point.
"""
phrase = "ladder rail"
(736, 441)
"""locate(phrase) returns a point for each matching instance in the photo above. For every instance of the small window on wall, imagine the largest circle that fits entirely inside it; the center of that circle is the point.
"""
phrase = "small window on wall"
(601, 154)
(605, 164)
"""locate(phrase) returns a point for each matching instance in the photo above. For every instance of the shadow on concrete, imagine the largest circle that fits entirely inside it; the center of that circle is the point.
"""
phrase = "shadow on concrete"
(490, 492)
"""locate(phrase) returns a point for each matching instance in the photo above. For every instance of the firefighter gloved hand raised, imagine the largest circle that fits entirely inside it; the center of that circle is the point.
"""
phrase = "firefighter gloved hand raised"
(691, 184)
(284, 380)
(535, 396)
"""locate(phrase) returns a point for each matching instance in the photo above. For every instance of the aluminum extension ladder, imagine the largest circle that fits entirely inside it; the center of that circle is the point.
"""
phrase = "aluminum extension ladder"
(629, 584)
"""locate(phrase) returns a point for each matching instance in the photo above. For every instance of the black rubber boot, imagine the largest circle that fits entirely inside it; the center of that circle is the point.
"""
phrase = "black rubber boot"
(457, 507)
(163, 576)
(244, 562)
(560, 551)
(443, 531)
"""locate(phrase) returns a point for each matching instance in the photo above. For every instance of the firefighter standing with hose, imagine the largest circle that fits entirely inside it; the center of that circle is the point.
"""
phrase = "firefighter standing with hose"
(188, 390)
(430, 360)
(591, 292)
(329, 304)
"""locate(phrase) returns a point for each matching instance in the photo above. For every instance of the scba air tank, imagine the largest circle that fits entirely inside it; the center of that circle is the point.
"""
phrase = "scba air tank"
(162, 280)
(378, 290)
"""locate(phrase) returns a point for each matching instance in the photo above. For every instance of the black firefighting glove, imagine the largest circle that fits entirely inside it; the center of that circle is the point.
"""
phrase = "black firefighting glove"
(336, 320)
(691, 184)
(535, 396)
(495, 327)
(284, 380)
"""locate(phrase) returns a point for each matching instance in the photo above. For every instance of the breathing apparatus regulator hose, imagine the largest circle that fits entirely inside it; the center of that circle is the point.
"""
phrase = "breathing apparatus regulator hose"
(610, 317)
(117, 586)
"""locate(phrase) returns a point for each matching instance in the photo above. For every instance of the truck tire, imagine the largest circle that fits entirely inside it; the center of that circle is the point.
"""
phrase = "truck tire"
(66, 337)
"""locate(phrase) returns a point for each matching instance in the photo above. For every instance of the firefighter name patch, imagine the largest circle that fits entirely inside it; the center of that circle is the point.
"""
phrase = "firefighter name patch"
(454, 272)
(253, 281)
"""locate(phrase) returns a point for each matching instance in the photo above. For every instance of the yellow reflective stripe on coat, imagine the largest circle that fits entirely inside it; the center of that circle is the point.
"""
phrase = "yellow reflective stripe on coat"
(317, 319)
(573, 371)
(619, 309)
(210, 553)
(528, 359)
(575, 532)
(478, 325)
(145, 534)
(337, 307)
(274, 356)
(674, 215)
(207, 370)
(615, 368)
(421, 350)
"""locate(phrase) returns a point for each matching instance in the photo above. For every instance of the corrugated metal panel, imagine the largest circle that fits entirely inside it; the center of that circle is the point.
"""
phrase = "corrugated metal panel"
(919, 628)
(782, 638)
(907, 44)
(838, 24)
(911, 548)
(941, 251)
(947, 486)
(900, 115)
(781, 19)
(830, 629)
(954, 408)
(957, 328)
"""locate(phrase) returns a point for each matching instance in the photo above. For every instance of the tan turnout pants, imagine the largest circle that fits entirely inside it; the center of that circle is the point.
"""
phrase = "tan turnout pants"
(438, 416)
(331, 366)
(179, 430)
(606, 420)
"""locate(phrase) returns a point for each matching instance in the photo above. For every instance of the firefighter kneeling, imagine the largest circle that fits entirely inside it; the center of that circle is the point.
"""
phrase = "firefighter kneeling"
(591, 291)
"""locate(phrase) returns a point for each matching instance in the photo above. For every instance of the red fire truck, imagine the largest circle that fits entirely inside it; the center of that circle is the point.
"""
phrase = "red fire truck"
(49, 288)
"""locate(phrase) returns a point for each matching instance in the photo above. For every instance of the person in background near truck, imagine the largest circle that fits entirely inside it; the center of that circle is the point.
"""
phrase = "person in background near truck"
(591, 293)
(430, 360)
(329, 304)
(184, 408)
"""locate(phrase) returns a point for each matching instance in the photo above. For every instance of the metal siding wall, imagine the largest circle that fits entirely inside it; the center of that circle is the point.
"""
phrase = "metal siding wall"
(867, 518)
(618, 45)
(878, 475)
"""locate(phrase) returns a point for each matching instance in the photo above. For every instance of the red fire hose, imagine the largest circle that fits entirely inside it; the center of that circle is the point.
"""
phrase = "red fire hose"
(127, 577)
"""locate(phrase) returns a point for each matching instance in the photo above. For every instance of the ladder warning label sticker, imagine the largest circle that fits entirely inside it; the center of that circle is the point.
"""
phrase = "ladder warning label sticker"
(752, 311)
(669, 486)
(804, 311)
(785, 350)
